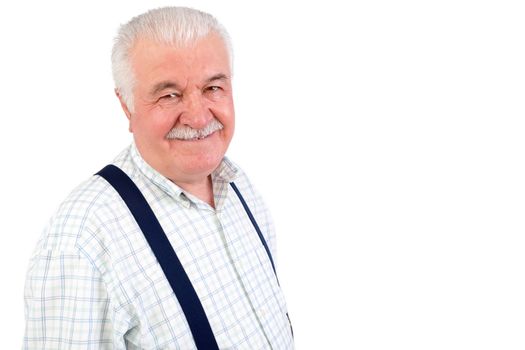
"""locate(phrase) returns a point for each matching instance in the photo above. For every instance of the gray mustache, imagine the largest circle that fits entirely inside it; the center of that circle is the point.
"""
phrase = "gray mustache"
(188, 133)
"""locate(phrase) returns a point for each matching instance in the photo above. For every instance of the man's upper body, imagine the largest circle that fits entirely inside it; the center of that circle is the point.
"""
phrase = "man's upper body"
(93, 281)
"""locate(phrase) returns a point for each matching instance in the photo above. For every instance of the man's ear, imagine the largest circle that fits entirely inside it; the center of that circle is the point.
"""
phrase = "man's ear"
(124, 107)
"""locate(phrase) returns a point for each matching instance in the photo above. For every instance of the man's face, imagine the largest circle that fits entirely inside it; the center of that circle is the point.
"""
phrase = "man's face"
(184, 88)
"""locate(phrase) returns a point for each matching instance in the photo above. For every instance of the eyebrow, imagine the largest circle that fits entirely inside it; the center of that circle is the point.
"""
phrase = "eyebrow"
(163, 85)
(220, 76)
(167, 84)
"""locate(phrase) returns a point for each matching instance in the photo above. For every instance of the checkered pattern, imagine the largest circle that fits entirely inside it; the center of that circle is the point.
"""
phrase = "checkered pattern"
(94, 283)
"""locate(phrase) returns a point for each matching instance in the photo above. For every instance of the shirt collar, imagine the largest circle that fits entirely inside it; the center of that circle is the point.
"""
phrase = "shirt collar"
(226, 172)
(153, 175)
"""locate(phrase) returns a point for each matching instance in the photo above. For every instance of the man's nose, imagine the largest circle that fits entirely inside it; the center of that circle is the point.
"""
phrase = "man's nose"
(196, 113)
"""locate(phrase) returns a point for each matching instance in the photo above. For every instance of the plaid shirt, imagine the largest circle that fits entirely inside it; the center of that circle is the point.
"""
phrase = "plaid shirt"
(94, 283)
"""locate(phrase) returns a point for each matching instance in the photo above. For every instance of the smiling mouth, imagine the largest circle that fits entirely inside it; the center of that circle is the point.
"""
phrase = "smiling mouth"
(198, 138)
(186, 133)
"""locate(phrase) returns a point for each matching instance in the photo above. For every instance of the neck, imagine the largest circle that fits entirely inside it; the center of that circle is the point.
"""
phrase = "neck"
(201, 189)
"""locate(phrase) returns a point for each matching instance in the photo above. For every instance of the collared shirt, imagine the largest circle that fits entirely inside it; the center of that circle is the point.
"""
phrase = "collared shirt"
(94, 283)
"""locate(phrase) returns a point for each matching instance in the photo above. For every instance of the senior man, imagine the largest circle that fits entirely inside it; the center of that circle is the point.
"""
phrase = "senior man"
(169, 247)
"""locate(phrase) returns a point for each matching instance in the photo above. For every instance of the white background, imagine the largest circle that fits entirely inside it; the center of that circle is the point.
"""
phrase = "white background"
(386, 136)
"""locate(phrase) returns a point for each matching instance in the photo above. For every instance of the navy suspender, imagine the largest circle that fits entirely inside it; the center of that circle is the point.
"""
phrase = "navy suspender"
(254, 223)
(166, 256)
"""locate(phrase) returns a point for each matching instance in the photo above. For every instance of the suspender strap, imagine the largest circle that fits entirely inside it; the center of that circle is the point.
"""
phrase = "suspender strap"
(261, 237)
(254, 223)
(166, 256)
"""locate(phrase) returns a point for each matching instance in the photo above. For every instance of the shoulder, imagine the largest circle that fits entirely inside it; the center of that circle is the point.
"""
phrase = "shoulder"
(256, 204)
(247, 188)
(81, 214)
(84, 213)
(253, 198)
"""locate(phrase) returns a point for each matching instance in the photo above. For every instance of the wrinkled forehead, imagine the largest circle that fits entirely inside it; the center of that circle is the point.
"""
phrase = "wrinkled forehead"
(147, 44)
(153, 61)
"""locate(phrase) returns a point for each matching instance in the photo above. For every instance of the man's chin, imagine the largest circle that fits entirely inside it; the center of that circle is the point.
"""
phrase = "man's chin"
(199, 165)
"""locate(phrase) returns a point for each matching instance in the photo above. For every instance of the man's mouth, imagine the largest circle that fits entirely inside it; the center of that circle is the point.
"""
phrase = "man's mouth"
(185, 133)
(198, 138)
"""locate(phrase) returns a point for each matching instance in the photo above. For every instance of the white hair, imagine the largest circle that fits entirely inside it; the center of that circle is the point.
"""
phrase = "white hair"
(177, 26)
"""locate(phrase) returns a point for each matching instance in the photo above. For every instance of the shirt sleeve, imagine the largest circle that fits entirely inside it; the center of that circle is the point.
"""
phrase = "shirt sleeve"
(67, 305)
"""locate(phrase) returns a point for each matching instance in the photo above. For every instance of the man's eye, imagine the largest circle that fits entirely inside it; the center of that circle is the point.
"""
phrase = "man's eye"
(174, 96)
(214, 88)
(170, 99)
